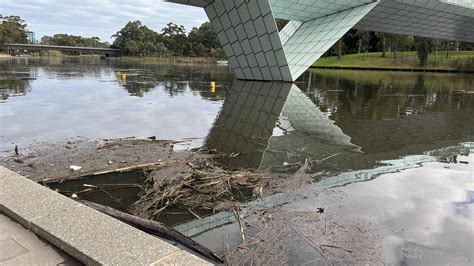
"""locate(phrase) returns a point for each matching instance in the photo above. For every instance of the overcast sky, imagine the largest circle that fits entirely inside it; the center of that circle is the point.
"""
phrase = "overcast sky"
(100, 18)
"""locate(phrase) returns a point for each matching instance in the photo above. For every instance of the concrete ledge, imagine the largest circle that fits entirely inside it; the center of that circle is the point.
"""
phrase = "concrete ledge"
(88, 235)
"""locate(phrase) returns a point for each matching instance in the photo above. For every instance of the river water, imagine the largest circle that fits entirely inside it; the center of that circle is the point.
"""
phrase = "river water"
(398, 147)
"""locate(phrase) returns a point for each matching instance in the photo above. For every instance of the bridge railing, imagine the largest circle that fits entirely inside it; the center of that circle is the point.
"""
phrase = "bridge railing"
(37, 47)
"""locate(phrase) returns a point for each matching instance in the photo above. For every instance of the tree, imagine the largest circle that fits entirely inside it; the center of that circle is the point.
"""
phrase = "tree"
(281, 23)
(339, 47)
(72, 40)
(364, 43)
(436, 43)
(12, 30)
(46, 40)
(176, 39)
(125, 39)
(161, 49)
(132, 47)
(218, 53)
(382, 42)
(423, 48)
(136, 39)
(398, 42)
(447, 47)
(202, 40)
(149, 48)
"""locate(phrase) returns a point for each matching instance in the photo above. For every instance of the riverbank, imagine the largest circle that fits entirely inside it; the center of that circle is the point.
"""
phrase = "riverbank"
(170, 59)
(146, 59)
(48, 162)
(164, 162)
(5, 56)
(406, 61)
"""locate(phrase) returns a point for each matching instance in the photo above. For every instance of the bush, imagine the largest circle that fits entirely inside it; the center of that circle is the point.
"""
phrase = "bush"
(218, 54)
(55, 53)
(463, 64)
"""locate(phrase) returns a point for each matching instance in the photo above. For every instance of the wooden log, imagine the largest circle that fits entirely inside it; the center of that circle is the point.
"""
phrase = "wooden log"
(155, 228)
(129, 168)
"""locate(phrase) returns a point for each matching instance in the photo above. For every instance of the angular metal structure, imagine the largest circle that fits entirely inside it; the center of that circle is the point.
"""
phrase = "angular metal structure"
(257, 51)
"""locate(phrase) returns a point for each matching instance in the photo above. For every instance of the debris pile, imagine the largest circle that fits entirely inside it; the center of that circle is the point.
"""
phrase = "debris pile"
(197, 183)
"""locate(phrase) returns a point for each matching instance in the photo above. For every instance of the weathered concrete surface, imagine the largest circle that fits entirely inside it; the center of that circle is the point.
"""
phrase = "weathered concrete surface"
(19, 246)
(89, 236)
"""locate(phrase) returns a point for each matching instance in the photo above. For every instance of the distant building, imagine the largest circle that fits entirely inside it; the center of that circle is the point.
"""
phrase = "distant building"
(31, 37)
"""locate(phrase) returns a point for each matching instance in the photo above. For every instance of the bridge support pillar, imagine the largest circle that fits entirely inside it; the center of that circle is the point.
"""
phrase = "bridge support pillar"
(249, 35)
(248, 32)
(305, 42)
(257, 51)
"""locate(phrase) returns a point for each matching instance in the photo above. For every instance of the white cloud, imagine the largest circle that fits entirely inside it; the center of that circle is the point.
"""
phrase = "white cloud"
(100, 18)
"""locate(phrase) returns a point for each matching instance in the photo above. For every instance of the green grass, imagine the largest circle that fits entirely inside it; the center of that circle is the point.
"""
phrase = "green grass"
(407, 59)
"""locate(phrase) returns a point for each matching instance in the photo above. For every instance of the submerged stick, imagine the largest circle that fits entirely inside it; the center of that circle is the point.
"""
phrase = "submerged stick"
(128, 168)
(156, 229)
(85, 175)
(241, 227)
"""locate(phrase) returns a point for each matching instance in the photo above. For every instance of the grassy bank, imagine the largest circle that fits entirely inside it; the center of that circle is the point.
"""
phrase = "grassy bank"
(405, 60)
(147, 59)
(402, 79)
(172, 59)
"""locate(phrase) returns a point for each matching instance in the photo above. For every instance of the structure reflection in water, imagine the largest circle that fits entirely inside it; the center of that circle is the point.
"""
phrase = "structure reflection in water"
(277, 126)
(271, 125)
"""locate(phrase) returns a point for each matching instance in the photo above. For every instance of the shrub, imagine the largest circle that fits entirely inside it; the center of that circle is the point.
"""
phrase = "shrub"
(55, 53)
(465, 63)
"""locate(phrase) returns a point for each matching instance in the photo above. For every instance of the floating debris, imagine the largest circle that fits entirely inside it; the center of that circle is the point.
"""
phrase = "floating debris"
(75, 168)
(197, 183)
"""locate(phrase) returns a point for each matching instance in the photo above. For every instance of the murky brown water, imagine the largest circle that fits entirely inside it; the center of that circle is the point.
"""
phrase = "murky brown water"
(395, 148)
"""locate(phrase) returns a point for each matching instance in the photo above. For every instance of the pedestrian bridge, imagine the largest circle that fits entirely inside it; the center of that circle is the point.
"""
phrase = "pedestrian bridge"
(38, 47)
(258, 51)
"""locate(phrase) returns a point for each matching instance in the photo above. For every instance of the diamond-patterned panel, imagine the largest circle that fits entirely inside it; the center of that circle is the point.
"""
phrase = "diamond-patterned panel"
(288, 31)
(453, 7)
(304, 10)
(247, 119)
(313, 38)
(433, 19)
(463, 3)
(256, 51)
(198, 3)
(249, 36)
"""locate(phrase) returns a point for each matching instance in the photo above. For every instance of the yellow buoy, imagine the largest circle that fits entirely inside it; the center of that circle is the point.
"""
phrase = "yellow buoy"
(213, 86)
